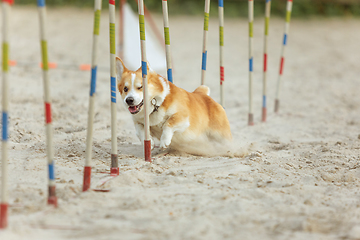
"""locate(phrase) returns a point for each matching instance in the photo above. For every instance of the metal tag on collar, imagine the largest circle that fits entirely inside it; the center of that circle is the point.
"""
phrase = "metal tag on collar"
(153, 102)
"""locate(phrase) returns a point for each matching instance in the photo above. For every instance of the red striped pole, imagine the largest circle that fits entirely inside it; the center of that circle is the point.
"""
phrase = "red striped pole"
(267, 21)
(282, 58)
(221, 43)
(52, 199)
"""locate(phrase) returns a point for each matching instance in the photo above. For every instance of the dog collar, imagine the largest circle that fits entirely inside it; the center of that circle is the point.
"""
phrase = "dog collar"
(156, 107)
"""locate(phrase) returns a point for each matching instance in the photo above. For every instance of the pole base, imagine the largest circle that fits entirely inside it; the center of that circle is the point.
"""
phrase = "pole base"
(264, 114)
(114, 171)
(87, 178)
(277, 103)
(3, 215)
(52, 199)
(114, 168)
(251, 119)
(147, 150)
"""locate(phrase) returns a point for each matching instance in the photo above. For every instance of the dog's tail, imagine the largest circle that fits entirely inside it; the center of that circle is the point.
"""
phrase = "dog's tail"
(203, 89)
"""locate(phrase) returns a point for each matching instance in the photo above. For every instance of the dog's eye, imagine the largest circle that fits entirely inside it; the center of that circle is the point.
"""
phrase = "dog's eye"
(139, 88)
(126, 89)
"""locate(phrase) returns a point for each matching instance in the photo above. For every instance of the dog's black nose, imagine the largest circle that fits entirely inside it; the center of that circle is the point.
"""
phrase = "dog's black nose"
(129, 101)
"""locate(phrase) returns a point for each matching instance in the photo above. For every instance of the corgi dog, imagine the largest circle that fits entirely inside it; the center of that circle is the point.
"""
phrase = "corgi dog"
(178, 119)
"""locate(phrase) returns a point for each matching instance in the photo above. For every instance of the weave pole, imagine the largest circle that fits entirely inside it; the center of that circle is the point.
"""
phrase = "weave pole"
(204, 53)
(167, 40)
(221, 43)
(282, 58)
(5, 111)
(267, 21)
(52, 199)
(147, 139)
(91, 112)
(114, 169)
(251, 58)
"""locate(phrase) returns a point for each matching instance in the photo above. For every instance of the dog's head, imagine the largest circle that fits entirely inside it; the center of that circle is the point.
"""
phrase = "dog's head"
(130, 86)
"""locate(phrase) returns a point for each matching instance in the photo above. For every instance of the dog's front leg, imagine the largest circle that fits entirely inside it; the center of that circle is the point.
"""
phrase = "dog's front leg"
(166, 137)
(140, 133)
(176, 123)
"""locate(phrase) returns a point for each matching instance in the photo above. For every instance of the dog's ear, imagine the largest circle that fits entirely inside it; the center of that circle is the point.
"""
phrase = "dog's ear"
(149, 69)
(120, 68)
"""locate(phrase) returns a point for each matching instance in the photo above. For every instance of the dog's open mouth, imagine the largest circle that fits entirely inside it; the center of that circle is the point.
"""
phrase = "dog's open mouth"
(137, 108)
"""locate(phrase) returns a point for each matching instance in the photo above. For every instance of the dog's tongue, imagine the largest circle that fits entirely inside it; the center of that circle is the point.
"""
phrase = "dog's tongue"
(133, 109)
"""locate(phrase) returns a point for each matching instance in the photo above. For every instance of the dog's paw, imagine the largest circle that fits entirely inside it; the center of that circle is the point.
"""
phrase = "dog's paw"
(163, 146)
(164, 142)
(166, 137)
(152, 144)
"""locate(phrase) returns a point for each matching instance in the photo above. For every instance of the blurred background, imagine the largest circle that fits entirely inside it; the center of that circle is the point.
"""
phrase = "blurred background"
(233, 8)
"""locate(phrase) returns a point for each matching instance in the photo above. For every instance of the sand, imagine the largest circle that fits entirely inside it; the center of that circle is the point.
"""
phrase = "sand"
(294, 177)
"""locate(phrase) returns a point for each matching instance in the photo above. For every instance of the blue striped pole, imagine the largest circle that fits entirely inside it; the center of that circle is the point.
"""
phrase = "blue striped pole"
(167, 40)
(267, 21)
(114, 169)
(147, 140)
(204, 53)
(91, 112)
(5, 111)
(251, 59)
(282, 58)
(52, 199)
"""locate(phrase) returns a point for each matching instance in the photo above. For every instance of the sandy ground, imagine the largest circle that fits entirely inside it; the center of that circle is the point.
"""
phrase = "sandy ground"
(299, 178)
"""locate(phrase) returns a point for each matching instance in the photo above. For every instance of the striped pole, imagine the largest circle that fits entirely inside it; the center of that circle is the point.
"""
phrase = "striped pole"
(251, 24)
(52, 199)
(5, 110)
(204, 53)
(282, 59)
(114, 169)
(147, 140)
(267, 21)
(91, 112)
(221, 41)
(167, 40)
